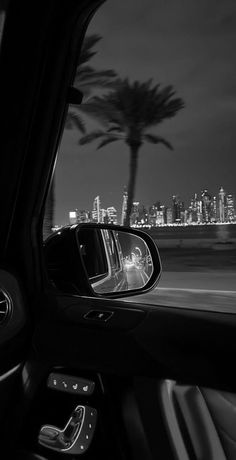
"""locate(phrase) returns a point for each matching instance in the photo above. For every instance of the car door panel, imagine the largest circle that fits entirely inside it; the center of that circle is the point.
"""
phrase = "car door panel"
(147, 341)
(96, 344)
(150, 346)
(167, 337)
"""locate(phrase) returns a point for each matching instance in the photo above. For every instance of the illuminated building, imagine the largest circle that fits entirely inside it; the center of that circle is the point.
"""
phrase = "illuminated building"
(186, 216)
(135, 217)
(163, 209)
(193, 210)
(111, 215)
(199, 212)
(124, 206)
(152, 219)
(189, 216)
(96, 214)
(206, 206)
(143, 216)
(214, 209)
(169, 216)
(83, 216)
(182, 212)
(73, 217)
(222, 203)
(230, 208)
(177, 209)
(152, 216)
(160, 218)
(102, 215)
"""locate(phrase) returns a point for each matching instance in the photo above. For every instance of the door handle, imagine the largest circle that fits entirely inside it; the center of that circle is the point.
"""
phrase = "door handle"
(75, 437)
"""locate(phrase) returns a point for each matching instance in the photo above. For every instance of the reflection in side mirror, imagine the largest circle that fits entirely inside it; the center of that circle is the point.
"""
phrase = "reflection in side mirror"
(115, 260)
(97, 259)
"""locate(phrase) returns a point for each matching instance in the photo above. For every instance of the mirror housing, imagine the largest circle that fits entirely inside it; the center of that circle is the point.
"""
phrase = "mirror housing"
(102, 260)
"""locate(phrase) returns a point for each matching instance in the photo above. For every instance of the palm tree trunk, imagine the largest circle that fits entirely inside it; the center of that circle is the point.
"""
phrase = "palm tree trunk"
(133, 165)
(48, 222)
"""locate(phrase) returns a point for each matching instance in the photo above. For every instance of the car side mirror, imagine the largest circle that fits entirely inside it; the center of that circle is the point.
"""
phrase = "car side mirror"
(102, 260)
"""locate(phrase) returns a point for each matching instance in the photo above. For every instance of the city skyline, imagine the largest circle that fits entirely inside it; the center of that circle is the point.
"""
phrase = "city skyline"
(204, 207)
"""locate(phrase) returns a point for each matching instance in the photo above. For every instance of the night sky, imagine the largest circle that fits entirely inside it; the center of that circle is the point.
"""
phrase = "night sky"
(191, 45)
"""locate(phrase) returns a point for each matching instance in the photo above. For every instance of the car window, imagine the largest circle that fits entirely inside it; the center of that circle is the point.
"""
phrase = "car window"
(153, 143)
(93, 255)
(111, 246)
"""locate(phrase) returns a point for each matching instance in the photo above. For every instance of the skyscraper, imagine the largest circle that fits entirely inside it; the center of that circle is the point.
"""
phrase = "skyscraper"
(124, 206)
(102, 215)
(230, 208)
(214, 209)
(199, 212)
(160, 218)
(152, 215)
(96, 215)
(134, 218)
(169, 216)
(177, 209)
(142, 217)
(206, 206)
(112, 215)
(222, 204)
(163, 209)
(193, 210)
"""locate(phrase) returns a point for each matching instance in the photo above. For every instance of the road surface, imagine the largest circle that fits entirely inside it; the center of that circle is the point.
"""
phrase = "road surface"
(209, 280)
(211, 290)
(136, 277)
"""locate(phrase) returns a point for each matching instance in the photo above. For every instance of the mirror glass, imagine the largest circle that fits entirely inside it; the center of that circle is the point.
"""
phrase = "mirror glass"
(115, 260)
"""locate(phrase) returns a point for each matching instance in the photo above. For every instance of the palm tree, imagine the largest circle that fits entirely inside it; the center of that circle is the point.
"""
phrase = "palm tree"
(126, 113)
(87, 79)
